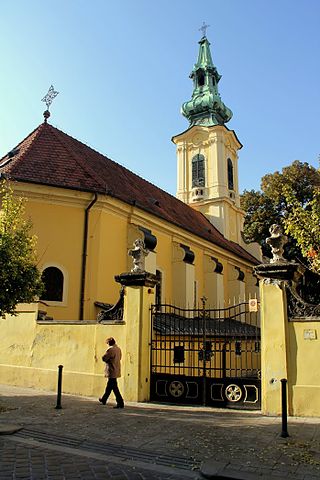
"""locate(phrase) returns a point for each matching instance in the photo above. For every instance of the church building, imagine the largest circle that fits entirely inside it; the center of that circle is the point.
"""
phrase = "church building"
(87, 211)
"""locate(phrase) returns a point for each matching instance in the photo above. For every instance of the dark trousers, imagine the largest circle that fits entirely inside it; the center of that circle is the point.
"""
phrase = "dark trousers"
(112, 386)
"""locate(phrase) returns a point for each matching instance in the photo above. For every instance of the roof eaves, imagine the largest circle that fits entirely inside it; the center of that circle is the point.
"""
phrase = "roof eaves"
(36, 132)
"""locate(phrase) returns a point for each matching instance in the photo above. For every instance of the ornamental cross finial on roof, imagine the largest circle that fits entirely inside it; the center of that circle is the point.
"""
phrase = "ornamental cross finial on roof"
(48, 98)
(203, 29)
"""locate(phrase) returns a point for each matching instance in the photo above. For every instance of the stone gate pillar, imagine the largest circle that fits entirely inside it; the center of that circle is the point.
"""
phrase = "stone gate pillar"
(139, 296)
(275, 333)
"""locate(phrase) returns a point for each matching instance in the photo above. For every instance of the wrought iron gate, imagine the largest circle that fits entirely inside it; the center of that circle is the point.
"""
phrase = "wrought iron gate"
(208, 357)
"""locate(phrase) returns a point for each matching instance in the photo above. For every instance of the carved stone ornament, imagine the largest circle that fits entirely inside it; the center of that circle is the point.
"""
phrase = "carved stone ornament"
(279, 273)
(131, 279)
(277, 242)
(138, 254)
(111, 312)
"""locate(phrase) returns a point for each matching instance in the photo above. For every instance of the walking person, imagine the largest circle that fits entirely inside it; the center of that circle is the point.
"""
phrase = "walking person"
(112, 358)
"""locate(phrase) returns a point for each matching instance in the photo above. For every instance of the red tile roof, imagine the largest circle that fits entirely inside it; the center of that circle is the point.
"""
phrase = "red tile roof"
(49, 156)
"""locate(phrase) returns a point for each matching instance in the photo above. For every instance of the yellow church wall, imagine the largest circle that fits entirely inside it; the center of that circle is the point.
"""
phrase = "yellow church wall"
(58, 219)
(177, 276)
(164, 262)
(251, 284)
(94, 260)
(59, 229)
(210, 282)
(107, 254)
(183, 282)
(200, 248)
(199, 277)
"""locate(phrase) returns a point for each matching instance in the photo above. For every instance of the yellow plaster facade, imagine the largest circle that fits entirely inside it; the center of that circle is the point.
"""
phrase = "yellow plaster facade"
(58, 221)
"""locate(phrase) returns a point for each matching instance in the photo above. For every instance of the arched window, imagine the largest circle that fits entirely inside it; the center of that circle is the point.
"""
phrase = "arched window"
(230, 175)
(53, 280)
(198, 175)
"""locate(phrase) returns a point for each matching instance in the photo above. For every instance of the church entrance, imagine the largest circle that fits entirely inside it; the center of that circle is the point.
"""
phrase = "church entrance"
(205, 356)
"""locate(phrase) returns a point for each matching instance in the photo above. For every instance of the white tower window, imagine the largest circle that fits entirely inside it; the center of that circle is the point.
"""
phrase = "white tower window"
(198, 171)
(230, 175)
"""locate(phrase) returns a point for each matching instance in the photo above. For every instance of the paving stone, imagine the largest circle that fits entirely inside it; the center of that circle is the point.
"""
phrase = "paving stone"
(9, 428)
(242, 440)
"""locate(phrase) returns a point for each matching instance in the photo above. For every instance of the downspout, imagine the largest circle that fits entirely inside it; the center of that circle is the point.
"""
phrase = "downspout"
(85, 254)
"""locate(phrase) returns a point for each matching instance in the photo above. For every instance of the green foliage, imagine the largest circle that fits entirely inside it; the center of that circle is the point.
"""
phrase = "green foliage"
(303, 224)
(260, 215)
(274, 203)
(20, 280)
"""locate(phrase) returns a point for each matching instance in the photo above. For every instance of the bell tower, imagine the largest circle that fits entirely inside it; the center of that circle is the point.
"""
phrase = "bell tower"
(207, 152)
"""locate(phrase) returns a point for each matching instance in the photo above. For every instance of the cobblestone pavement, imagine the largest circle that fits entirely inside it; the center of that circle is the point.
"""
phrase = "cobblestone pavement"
(86, 440)
(30, 461)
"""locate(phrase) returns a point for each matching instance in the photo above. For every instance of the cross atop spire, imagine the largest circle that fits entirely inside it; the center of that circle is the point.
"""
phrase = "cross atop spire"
(203, 29)
(48, 98)
(205, 107)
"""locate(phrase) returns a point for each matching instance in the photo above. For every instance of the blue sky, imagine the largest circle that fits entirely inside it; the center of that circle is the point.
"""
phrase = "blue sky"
(122, 71)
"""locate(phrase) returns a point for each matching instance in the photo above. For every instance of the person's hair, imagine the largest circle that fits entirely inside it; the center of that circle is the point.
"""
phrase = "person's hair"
(111, 341)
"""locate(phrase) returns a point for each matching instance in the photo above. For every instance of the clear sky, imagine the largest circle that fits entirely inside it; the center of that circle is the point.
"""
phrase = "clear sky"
(122, 69)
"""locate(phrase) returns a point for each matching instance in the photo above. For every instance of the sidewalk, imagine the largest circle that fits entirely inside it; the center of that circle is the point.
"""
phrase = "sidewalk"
(86, 440)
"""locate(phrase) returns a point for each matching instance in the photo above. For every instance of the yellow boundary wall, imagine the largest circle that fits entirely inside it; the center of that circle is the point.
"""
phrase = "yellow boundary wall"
(31, 351)
(291, 350)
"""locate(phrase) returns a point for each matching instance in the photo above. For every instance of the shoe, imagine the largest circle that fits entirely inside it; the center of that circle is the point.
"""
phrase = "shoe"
(118, 406)
(101, 401)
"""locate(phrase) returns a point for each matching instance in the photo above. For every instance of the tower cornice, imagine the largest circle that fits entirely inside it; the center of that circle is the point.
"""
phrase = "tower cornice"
(194, 129)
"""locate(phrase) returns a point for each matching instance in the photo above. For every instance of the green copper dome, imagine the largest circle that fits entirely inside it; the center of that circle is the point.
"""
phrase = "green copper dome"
(205, 107)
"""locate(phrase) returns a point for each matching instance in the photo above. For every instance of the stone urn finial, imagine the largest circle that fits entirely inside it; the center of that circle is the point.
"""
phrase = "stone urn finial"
(138, 254)
(277, 242)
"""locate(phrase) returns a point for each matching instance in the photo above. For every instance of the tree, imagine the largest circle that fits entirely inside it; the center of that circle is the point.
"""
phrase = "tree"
(303, 224)
(20, 280)
(273, 204)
